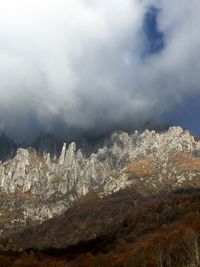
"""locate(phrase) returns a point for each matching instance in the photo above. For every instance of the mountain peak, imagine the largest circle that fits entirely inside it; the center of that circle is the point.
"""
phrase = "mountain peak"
(149, 162)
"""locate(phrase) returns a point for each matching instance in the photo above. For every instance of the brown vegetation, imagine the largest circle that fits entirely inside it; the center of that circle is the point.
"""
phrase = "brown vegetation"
(186, 162)
(121, 230)
(143, 167)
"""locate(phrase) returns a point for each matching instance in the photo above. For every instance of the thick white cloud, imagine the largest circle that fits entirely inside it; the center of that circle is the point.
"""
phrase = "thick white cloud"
(80, 62)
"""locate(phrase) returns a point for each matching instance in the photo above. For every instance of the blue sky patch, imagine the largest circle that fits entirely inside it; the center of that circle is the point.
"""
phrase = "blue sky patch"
(154, 38)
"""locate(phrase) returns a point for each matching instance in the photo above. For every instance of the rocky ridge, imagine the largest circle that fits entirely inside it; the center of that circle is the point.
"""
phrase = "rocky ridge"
(35, 188)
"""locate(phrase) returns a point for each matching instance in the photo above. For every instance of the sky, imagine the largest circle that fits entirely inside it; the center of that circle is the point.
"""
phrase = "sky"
(86, 67)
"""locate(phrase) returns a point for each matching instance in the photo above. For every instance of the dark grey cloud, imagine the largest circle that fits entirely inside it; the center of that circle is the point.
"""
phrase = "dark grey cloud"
(78, 65)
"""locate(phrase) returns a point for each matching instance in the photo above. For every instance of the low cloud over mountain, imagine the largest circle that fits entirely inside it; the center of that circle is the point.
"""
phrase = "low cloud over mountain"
(91, 66)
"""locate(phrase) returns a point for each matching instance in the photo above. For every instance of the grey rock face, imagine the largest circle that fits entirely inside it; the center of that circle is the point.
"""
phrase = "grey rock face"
(35, 188)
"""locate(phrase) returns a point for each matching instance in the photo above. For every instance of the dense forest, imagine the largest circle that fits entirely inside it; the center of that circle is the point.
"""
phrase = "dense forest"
(121, 230)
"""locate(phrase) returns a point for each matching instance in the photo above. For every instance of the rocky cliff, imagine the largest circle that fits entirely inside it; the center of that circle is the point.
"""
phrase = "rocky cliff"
(35, 188)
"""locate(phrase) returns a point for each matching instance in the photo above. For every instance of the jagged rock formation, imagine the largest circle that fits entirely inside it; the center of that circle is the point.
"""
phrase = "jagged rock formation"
(35, 188)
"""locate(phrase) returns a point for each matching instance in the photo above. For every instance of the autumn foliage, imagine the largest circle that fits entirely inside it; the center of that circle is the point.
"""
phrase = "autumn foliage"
(122, 230)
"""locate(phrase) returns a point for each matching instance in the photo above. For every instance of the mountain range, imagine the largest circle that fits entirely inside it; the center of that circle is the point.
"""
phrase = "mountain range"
(67, 201)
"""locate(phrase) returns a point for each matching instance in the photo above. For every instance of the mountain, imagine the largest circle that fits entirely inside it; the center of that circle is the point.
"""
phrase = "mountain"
(60, 191)
(35, 188)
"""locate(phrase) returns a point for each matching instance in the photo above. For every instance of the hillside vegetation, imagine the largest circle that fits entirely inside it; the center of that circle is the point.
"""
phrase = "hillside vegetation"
(124, 229)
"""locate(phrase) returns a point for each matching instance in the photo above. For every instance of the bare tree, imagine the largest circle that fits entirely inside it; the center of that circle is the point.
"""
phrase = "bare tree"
(192, 248)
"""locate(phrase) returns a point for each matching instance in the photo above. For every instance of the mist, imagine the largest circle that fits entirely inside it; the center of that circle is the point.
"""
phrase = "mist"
(82, 67)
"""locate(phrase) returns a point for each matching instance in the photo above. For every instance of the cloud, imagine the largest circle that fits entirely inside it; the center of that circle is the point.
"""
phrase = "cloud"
(78, 65)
